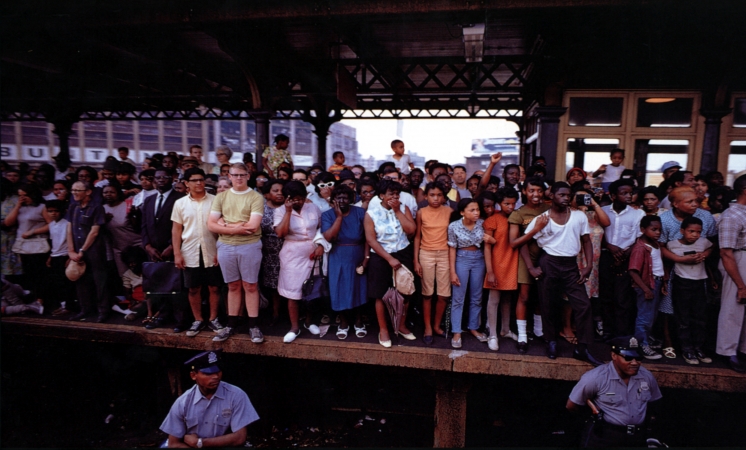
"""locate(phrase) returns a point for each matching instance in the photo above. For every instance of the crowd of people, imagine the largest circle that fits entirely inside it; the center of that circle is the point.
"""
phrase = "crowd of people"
(517, 256)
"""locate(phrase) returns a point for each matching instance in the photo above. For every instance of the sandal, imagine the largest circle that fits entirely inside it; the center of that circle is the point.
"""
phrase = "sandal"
(342, 332)
(669, 352)
(147, 320)
(571, 339)
(360, 332)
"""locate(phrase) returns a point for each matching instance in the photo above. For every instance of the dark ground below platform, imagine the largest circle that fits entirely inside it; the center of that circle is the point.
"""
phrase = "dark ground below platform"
(58, 393)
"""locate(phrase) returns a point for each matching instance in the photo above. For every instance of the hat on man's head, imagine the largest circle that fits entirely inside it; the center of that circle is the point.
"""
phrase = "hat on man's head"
(346, 174)
(670, 165)
(190, 159)
(317, 166)
(626, 346)
(205, 362)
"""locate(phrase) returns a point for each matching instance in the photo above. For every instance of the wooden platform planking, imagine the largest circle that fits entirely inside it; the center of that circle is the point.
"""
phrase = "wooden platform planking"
(443, 360)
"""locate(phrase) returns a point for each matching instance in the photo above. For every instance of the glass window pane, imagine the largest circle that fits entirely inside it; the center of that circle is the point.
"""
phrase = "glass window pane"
(736, 161)
(589, 153)
(656, 152)
(596, 112)
(739, 113)
(664, 112)
(8, 133)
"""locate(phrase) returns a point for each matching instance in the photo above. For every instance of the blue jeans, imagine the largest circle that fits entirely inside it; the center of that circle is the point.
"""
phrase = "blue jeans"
(470, 270)
(647, 310)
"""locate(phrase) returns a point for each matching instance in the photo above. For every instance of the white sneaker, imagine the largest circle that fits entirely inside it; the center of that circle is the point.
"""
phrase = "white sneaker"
(290, 337)
(492, 343)
(313, 329)
(36, 307)
(511, 335)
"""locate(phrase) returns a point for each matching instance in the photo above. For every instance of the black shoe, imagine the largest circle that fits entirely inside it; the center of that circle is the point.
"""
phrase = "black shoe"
(522, 347)
(79, 316)
(181, 327)
(102, 318)
(736, 364)
(587, 357)
(552, 349)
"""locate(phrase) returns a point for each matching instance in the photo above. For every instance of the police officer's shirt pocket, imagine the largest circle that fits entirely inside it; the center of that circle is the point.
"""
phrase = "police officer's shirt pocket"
(223, 421)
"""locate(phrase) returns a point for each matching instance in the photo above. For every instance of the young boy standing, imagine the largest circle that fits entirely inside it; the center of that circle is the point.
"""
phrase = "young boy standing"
(648, 275)
(60, 284)
(689, 277)
(564, 236)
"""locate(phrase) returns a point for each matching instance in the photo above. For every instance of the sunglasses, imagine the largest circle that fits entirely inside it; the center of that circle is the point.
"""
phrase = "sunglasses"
(631, 358)
(326, 185)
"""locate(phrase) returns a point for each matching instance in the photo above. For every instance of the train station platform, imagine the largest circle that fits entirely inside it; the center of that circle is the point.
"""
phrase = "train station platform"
(451, 367)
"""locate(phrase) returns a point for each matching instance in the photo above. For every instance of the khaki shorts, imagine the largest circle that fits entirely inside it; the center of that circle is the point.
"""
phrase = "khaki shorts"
(435, 270)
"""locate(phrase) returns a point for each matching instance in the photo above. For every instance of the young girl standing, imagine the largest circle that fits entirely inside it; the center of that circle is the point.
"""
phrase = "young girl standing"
(500, 258)
(465, 237)
(528, 270)
(431, 257)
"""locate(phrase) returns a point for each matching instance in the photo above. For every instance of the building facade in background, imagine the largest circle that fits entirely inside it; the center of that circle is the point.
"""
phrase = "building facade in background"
(92, 141)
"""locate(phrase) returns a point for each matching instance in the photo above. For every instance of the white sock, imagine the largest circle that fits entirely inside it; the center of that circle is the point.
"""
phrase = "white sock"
(538, 330)
(522, 335)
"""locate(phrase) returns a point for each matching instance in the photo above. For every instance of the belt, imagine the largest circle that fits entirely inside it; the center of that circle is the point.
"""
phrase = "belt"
(625, 429)
(657, 278)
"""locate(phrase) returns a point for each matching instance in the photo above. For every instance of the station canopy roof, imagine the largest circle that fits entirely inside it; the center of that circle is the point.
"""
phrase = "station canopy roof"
(109, 59)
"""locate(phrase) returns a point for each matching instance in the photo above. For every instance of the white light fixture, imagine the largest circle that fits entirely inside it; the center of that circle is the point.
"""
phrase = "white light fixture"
(659, 100)
(474, 42)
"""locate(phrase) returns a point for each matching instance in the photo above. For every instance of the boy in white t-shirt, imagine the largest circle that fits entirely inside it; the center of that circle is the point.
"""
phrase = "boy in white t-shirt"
(688, 287)
(401, 161)
(613, 171)
(563, 237)
(60, 284)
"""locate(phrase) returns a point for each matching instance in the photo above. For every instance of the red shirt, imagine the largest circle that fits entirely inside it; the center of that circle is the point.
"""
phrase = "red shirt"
(641, 261)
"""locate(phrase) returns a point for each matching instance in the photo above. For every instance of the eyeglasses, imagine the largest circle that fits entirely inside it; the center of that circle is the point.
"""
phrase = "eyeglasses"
(239, 175)
(262, 180)
(196, 180)
(77, 190)
(390, 178)
(315, 172)
(356, 173)
(220, 154)
(326, 185)
(162, 177)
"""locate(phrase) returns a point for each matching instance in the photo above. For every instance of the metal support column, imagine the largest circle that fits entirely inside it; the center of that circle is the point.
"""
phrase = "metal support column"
(261, 121)
(710, 146)
(450, 410)
(548, 129)
(63, 129)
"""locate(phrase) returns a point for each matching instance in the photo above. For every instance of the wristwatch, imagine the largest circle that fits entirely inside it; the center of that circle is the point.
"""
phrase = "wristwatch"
(199, 443)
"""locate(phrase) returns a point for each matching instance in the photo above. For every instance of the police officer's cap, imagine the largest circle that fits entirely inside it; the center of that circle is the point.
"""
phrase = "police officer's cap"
(205, 362)
(626, 346)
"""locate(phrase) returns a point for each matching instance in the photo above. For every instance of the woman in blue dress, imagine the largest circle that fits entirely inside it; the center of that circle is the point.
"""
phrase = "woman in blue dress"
(343, 227)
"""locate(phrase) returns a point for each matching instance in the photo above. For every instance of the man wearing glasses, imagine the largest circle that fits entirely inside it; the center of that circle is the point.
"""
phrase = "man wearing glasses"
(236, 216)
(621, 391)
(195, 250)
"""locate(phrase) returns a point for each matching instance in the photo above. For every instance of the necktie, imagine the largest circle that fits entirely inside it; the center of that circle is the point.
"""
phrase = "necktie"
(160, 204)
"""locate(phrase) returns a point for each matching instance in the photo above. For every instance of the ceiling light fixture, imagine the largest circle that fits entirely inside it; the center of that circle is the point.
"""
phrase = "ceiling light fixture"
(659, 100)
(473, 42)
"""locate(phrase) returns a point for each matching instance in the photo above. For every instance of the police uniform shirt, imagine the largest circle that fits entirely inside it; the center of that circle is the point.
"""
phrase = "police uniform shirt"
(622, 404)
(228, 410)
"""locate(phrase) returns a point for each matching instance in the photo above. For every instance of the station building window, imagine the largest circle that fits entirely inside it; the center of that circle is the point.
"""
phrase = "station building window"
(651, 126)
(732, 157)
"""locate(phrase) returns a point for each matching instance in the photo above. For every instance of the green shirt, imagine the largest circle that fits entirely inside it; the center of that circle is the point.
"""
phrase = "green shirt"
(238, 208)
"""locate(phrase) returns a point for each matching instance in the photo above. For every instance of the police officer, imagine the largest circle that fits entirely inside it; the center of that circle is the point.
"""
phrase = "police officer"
(621, 391)
(212, 413)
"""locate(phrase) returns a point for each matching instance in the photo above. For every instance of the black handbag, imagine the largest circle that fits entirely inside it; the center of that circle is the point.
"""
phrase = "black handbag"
(161, 278)
(317, 284)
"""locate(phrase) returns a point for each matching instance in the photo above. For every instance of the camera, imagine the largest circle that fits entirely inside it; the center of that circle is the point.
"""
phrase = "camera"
(583, 199)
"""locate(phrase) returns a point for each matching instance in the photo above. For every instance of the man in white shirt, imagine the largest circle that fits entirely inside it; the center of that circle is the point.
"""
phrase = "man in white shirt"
(195, 250)
(615, 284)
(561, 239)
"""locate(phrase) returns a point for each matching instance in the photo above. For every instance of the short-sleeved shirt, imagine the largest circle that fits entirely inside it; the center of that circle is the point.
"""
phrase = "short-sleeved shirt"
(275, 157)
(624, 227)
(303, 224)
(562, 240)
(192, 214)
(239, 207)
(81, 221)
(732, 227)
(405, 199)
(522, 217)
(58, 233)
(689, 271)
(612, 173)
(622, 404)
(227, 411)
(671, 226)
(459, 236)
(389, 232)
(402, 163)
